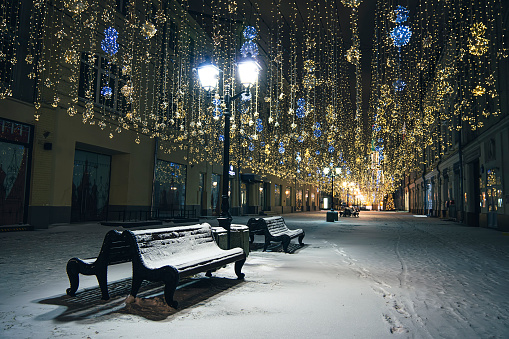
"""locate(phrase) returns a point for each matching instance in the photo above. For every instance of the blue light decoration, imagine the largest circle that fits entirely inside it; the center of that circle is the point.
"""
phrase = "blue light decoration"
(300, 112)
(401, 14)
(262, 144)
(259, 125)
(245, 96)
(317, 132)
(217, 112)
(298, 158)
(281, 148)
(106, 92)
(216, 102)
(250, 32)
(109, 44)
(399, 85)
(401, 35)
(331, 149)
(221, 137)
(251, 147)
(298, 170)
(376, 128)
(249, 47)
(317, 152)
(300, 139)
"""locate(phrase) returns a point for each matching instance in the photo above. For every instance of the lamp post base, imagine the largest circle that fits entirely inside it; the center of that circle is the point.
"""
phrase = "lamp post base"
(332, 216)
(226, 223)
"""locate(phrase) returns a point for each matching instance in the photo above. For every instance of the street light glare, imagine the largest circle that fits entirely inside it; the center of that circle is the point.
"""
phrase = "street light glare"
(248, 71)
(209, 76)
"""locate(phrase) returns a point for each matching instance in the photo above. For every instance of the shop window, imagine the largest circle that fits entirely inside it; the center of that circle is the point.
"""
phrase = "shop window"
(170, 186)
(277, 195)
(90, 186)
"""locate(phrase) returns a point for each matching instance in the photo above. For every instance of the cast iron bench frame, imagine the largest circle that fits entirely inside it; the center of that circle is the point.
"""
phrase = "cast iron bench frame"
(139, 246)
(274, 229)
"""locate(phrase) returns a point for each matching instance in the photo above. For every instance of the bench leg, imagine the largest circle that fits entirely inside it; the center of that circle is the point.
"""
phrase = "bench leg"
(102, 279)
(238, 269)
(285, 241)
(267, 243)
(73, 274)
(171, 278)
(301, 237)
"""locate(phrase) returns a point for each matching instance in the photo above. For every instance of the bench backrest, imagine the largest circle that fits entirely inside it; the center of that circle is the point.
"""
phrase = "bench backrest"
(275, 225)
(155, 244)
(115, 249)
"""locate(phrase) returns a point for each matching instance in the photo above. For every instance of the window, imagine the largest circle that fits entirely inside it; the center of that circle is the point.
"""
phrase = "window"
(277, 195)
(288, 196)
(170, 186)
(96, 73)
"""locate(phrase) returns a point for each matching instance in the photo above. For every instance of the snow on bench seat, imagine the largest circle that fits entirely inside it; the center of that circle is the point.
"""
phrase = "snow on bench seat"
(169, 254)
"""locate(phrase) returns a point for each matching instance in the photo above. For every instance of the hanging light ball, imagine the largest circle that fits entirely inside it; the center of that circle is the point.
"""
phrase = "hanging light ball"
(331, 149)
(301, 102)
(250, 32)
(106, 92)
(251, 147)
(399, 85)
(249, 48)
(281, 148)
(401, 14)
(148, 30)
(401, 35)
(300, 112)
(109, 44)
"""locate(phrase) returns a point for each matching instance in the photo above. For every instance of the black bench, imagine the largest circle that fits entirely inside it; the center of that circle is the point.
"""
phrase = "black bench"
(158, 255)
(275, 229)
(114, 250)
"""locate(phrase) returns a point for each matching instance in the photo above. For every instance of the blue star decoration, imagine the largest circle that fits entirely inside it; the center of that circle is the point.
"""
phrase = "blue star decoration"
(401, 14)
(401, 35)
(281, 148)
(109, 44)
(259, 125)
(399, 85)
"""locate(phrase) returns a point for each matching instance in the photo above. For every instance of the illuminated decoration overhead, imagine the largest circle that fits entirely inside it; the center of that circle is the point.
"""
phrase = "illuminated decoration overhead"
(401, 35)
(251, 147)
(148, 30)
(309, 81)
(331, 149)
(478, 91)
(106, 92)
(250, 32)
(300, 112)
(317, 132)
(259, 125)
(76, 6)
(477, 43)
(128, 91)
(353, 55)
(351, 3)
(249, 48)
(401, 14)
(109, 44)
(281, 148)
(399, 85)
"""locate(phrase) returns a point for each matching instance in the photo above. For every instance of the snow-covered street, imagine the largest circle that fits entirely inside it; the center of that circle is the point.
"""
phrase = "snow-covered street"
(382, 275)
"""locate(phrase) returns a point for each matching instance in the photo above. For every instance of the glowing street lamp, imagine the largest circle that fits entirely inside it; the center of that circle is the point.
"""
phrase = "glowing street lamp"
(208, 74)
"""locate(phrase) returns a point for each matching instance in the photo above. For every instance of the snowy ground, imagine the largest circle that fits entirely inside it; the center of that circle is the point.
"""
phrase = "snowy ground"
(383, 275)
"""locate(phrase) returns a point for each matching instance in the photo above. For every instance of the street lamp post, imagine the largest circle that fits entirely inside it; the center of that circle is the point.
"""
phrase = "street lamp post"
(331, 215)
(209, 78)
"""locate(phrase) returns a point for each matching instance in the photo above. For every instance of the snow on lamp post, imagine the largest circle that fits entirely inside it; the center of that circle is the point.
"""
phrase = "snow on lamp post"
(208, 74)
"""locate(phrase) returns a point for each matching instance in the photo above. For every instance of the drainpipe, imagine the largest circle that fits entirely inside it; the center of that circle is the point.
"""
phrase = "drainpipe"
(152, 204)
